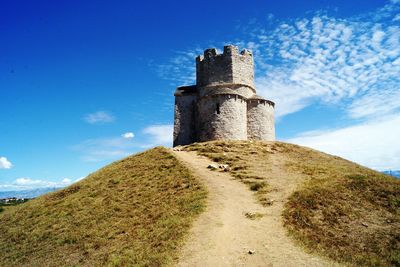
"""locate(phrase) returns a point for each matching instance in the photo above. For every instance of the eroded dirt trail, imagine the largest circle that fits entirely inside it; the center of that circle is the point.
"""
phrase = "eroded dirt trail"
(223, 235)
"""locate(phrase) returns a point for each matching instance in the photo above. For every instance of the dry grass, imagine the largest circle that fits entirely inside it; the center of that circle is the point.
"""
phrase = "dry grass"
(248, 162)
(134, 212)
(333, 206)
(345, 211)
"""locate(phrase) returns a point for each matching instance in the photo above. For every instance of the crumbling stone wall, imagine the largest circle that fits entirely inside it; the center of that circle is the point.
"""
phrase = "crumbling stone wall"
(185, 117)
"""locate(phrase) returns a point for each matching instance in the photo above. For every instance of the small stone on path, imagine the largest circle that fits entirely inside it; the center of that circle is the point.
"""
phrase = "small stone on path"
(212, 167)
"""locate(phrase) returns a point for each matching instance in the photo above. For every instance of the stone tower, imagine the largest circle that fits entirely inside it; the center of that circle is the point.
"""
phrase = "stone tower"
(223, 104)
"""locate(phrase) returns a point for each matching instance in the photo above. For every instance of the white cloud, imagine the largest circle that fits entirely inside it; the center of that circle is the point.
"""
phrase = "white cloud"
(103, 149)
(323, 59)
(376, 103)
(29, 183)
(373, 144)
(66, 181)
(128, 135)
(80, 178)
(159, 134)
(329, 60)
(352, 63)
(113, 148)
(181, 69)
(99, 117)
(5, 163)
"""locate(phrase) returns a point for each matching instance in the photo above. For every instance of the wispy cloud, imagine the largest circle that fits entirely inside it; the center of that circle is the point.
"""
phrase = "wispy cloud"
(180, 70)
(29, 183)
(99, 117)
(116, 147)
(320, 58)
(373, 143)
(159, 134)
(103, 149)
(5, 163)
(330, 60)
(352, 63)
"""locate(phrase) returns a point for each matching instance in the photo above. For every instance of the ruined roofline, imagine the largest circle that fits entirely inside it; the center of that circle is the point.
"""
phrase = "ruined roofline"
(259, 98)
(229, 50)
(193, 89)
(230, 85)
(222, 91)
(233, 93)
(185, 90)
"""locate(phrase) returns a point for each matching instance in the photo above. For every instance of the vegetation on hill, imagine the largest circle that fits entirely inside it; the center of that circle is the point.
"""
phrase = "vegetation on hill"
(334, 207)
(133, 212)
(11, 202)
(345, 211)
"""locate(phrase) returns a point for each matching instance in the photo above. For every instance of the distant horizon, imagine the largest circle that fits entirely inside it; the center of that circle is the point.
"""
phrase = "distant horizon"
(83, 85)
(35, 192)
(27, 193)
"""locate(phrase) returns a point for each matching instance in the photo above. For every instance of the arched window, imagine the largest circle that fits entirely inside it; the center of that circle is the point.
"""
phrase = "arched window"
(218, 111)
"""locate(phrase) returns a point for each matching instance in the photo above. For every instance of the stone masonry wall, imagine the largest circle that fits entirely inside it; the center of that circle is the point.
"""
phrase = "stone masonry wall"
(244, 91)
(184, 122)
(222, 117)
(230, 67)
(213, 68)
(260, 120)
(223, 104)
(243, 68)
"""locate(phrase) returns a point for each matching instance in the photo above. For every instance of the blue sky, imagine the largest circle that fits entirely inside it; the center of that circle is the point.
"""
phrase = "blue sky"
(83, 83)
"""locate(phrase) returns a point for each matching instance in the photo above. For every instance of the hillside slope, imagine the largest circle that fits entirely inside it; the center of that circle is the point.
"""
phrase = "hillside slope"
(235, 223)
(137, 212)
(133, 212)
(331, 206)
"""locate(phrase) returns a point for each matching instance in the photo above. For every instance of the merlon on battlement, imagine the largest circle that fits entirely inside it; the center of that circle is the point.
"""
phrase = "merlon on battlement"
(185, 90)
(229, 50)
(229, 67)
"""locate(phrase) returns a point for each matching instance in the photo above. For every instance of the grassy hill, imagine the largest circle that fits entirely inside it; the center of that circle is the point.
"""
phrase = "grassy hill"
(333, 207)
(136, 212)
(133, 212)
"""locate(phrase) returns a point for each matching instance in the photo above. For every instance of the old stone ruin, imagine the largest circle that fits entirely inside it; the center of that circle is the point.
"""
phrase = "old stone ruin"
(223, 105)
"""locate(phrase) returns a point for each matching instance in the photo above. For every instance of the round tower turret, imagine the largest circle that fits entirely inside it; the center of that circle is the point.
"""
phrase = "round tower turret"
(222, 115)
(260, 119)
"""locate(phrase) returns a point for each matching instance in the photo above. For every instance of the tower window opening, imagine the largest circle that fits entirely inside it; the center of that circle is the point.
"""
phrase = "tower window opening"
(218, 111)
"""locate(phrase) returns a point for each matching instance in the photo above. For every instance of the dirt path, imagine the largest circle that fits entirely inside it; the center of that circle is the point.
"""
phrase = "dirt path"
(223, 235)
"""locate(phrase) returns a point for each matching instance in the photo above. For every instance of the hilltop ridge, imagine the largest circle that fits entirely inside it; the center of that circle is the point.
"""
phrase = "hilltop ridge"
(330, 206)
(141, 210)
